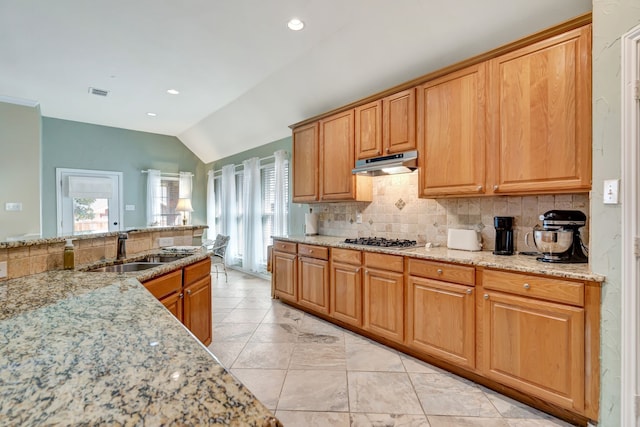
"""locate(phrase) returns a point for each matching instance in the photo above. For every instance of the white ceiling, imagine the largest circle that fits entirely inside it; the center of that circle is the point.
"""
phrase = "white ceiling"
(243, 76)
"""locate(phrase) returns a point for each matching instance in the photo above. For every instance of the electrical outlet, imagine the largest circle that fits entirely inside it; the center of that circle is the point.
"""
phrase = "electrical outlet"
(165, 241)
(3, 269)
(611, 191)
(358, 217)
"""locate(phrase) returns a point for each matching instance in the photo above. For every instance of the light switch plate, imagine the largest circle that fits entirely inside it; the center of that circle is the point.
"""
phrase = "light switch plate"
(611, 191)
(165, 241)
(129, 207)
(3, 269)
(15, 206)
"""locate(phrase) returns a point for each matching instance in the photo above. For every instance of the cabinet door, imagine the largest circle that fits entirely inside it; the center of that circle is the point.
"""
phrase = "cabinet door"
(285, 272)
(452, 136)
(346, 293)
(441, 320)
(197, 309)
(337, 157)
(540, 104)
(383, 305)
(399, 122)
(534, 346)
(305, 163)
(173, 303)
(313, 284)
(368, 133)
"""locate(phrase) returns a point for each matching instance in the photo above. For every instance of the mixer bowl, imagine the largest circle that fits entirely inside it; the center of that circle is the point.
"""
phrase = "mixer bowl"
(552, 241)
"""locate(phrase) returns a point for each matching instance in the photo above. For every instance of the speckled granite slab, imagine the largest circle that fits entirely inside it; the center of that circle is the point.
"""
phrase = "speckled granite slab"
(80, 348)
(520, 263)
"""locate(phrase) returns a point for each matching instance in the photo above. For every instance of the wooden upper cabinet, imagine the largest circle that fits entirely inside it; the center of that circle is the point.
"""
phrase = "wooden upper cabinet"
(368, 132)
(451, 133)
(386, 126)
(305, 163)
(337, 158)
(399, 122)
(540, 105)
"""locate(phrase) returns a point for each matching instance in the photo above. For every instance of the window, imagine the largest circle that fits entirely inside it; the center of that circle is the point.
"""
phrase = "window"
(163, 193)
(268, 182)
(169, 192)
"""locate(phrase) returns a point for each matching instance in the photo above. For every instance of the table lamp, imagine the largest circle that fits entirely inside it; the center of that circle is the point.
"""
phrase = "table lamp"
(184, 206)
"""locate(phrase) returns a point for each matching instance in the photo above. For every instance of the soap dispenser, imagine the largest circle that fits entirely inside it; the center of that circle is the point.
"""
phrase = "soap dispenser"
(69, 262)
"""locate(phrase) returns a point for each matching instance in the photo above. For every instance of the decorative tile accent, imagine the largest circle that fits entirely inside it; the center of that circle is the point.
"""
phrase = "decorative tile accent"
(400, 204)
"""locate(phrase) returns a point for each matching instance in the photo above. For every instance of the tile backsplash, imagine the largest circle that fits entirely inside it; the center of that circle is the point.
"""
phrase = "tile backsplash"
(397, 213)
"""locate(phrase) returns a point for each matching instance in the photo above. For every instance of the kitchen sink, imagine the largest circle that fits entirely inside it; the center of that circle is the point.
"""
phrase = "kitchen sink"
(163, 258)
(128, 267)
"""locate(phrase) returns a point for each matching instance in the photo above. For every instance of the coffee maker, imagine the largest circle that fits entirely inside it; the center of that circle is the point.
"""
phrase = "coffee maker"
(559, 238)
(504, 235)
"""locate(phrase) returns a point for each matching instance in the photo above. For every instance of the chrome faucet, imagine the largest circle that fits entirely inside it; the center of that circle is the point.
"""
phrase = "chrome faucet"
(122, 247)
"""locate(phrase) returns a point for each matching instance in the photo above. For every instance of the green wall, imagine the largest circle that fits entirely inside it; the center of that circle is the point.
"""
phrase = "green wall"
(19, 169)
(68, 144)
(296, 211)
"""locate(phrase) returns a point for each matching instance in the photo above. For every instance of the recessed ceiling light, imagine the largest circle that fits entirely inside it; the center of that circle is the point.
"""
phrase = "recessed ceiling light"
(295, 24)
(150, 114)
(173, 91)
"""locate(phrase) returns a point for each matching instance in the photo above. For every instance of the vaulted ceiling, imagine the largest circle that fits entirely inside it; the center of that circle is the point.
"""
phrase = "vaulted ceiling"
(243, 76)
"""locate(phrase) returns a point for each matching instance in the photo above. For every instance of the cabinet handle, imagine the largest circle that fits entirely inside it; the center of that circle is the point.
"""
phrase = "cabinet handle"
(469, 291)
(439, 271)
(189, 292)
(486, 296)
(495, 187)
(527, 286)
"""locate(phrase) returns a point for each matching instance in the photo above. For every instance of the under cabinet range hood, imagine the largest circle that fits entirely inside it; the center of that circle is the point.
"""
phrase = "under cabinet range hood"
(387, 165)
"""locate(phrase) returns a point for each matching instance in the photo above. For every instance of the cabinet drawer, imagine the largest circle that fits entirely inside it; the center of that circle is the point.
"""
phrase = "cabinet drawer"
(197, 271)
(165, 285)
(346, 256)
(442, 271)
(311, 251)
(384, 262)
(288, 247)
(547, 288)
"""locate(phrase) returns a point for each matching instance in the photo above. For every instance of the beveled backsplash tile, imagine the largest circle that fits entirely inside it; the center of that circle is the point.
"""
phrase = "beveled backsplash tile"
(427, 220)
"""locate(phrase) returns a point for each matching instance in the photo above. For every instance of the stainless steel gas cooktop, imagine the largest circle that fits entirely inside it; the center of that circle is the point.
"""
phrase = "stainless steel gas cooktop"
(382, 242)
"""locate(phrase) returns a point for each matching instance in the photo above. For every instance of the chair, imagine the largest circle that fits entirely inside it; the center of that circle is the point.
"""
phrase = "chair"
(218, 248)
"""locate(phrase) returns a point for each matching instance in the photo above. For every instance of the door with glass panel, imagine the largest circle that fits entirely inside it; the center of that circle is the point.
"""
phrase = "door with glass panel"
(88, 201)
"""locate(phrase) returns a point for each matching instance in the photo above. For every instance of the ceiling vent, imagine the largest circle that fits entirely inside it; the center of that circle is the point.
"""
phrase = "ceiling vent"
(99, 92)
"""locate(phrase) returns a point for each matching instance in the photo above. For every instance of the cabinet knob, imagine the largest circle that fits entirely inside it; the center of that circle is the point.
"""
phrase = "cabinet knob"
(387, 149)
(439, 271)
(527, 286)
(479, 187)
(469, 291)
(189, 292)
(495, 187)
(181, 296)
(485, 296)
(310, 251)
(358, 270)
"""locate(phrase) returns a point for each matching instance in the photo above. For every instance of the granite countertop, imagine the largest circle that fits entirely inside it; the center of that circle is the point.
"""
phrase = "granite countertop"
(97, 348)
(518, 263)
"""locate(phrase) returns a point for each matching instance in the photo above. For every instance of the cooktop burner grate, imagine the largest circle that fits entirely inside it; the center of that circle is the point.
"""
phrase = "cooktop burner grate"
(382, 242)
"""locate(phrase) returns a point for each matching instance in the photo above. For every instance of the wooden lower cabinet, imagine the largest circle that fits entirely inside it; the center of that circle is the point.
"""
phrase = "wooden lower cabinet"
(186, 293)
(535, 346)
(441, 320)
(383, 296)
(285, 275)
(197, 309)
(345, 286)
(313, 284)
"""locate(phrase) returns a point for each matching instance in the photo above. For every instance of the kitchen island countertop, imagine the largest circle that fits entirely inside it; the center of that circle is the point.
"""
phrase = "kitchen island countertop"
(518, 263)
(97, 348)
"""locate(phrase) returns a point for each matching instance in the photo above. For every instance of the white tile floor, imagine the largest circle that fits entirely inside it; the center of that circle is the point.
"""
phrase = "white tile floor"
(312, 373)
